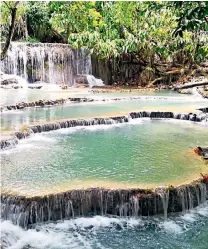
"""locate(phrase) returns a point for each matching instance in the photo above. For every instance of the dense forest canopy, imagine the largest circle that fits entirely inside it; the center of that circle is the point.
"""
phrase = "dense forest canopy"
(152, 32)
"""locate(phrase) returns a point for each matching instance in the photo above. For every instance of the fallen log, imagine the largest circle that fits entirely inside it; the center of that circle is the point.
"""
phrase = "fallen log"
(194, 84)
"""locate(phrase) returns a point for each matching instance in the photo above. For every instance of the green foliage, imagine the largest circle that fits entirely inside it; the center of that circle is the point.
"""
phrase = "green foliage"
(153, 31)
(38, 18)
(192, 16)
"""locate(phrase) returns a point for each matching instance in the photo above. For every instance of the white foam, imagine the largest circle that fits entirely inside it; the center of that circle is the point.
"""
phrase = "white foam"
(92, 128)
(29, 143)
(202, 210)
(137, 121)
(96, 223)
(101, 126)
(39, 137)
(65, 234)
(92, 81)
(15, 237)
(189, 217)
(171, 227)
(19, 147)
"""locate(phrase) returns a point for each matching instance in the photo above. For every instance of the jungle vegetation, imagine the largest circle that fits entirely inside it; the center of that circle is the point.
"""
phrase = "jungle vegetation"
(162, 37)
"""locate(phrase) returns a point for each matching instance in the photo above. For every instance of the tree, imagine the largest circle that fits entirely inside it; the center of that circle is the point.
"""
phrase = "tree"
(192, 16)
(12, 7)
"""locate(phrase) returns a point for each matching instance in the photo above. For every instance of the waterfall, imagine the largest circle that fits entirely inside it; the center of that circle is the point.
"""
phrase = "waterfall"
(164, 195)
(47, 62)
(185, 199)
(24, 211)
(191, 196)
(135, 205)
(8, 143)
(203, 191)
(92, 81)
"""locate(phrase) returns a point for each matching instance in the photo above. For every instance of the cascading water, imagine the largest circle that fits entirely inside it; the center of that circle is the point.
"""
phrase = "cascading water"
(121, 202)
(51, 63)
(92, 81)
(101, 121)
(164, 195)
(186, 199)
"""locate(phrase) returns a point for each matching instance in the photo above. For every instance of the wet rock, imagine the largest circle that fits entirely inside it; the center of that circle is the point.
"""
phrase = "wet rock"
(35, 87)
(8, 144)
(16, 87)
(9, 81)
(20, 106)
(21, 135)
(205, 109)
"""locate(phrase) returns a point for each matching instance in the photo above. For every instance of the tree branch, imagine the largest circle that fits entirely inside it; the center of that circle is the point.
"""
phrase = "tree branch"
(7, 5)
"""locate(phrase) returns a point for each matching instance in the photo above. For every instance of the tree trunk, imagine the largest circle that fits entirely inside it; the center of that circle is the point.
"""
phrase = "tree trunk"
(11, 31)
(25, 27)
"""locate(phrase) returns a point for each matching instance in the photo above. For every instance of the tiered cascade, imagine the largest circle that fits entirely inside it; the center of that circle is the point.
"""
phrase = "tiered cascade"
(120, 202)
(100, 121)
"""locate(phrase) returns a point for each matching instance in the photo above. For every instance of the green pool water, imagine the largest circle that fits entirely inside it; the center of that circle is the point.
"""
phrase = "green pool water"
(15, 119)
(142, 153)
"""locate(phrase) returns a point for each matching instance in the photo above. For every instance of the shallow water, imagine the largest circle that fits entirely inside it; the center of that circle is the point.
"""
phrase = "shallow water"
(142, 153)
(13, 96)
(15, 119)
(184, 231)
